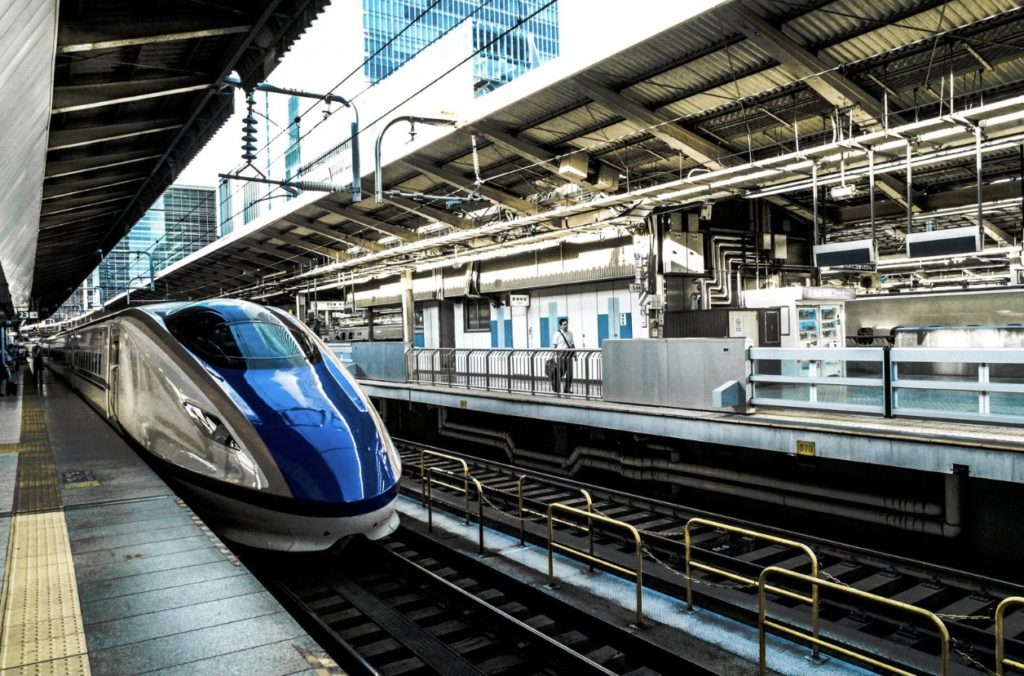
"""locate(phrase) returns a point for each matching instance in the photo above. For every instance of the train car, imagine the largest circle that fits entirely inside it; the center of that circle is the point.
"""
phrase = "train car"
(248, 414)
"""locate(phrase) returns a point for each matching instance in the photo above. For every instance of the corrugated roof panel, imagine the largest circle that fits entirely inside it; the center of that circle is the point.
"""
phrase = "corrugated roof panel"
(28, 35)
(726, 95)
(921, 26)
(708, 70)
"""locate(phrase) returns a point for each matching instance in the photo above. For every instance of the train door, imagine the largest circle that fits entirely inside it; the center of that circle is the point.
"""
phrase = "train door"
(113, 371)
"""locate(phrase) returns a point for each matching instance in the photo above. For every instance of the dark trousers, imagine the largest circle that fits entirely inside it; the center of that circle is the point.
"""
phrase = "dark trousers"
(563, 374)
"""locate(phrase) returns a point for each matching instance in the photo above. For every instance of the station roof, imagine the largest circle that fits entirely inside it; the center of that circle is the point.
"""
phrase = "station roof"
(106, 102)
(738, 102)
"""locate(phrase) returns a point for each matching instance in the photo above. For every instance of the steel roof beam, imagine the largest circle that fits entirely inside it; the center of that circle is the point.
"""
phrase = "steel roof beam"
(80, 215)
(430, 213)
(90, 163)
(268, 250)
(683, 140)
(75, 204)
(949, 199)
(458, 180)
(252, 259)
(66, 139)
(77, 186)
(328, 251)
(367, 221)
(328, 231)
(85, 97)
(261, 253)
(540, 156)
(817, 73)
(822, 78)
(87, 36)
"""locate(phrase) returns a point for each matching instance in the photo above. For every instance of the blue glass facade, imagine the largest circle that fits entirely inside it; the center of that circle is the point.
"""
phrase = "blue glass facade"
(501, 52)
(181, 221)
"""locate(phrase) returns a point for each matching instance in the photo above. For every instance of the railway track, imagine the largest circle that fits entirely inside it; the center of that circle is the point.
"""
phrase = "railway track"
(410, 605)
(964, 602)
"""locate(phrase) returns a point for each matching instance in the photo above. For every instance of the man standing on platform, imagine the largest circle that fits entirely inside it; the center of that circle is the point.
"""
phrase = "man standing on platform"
(6, 371)
(37, 363)
(563, 341)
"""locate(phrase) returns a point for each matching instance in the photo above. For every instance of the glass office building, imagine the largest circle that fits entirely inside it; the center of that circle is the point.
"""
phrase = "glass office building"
(181, 221)
(510, 37)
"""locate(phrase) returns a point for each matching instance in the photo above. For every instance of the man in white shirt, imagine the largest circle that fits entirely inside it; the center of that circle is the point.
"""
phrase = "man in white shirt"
(563, 341)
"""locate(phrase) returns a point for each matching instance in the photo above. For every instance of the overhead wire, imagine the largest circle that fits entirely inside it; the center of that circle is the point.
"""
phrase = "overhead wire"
(934, 35)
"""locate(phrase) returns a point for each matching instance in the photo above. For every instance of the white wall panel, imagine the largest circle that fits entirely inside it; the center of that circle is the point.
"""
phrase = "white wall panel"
(28, 38)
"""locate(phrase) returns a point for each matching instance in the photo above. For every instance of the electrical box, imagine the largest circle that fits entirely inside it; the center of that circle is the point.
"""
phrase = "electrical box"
(683, 253)
(775, 246)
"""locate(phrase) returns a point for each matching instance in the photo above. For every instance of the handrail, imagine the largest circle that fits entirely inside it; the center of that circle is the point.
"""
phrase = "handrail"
(431, 471)
(864, 380)
(1001, 659)
(638, 574)
(763, 623)
(501, 369)
(524, 510)
(690, 563)
(450, 458)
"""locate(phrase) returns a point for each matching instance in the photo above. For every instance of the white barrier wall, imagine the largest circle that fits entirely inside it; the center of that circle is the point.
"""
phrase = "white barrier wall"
(597, 311)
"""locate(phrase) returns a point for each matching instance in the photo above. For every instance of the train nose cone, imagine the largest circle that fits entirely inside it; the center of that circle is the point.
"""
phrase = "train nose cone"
(325, 442)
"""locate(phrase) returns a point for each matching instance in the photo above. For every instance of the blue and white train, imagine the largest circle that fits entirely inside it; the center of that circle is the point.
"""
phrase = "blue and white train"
(249, 415)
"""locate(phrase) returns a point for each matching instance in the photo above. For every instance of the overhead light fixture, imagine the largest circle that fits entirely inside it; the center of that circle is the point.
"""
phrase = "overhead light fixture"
(843, 192)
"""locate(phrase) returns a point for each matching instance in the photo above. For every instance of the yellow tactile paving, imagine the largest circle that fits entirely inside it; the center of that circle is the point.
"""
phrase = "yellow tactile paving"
(42, 621)
(41, 629)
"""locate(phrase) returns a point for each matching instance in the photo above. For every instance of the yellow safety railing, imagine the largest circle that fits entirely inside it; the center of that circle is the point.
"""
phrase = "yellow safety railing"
(638, 574)
(444, 457)
(431, 471)
(690, 564)
(763, 623)
(524, 511)
(1001, 660)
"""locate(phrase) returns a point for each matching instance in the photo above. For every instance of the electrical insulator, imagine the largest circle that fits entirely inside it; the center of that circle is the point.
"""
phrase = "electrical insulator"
(249, 132)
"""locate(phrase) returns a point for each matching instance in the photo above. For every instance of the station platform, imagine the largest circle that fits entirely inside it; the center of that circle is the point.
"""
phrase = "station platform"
(988, 451)
(105, 571)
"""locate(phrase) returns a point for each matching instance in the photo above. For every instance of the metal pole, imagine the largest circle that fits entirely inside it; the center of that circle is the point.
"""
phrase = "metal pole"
(871, 195)
(977, 167)
(407, 309)
(910, 200)
(378, 173)
(814, 203)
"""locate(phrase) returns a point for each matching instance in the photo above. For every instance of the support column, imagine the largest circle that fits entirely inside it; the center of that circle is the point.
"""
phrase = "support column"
(408, 314)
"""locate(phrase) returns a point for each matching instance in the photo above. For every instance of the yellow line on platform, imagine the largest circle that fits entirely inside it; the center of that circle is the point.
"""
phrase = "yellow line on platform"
(42, 621)
(41, 629)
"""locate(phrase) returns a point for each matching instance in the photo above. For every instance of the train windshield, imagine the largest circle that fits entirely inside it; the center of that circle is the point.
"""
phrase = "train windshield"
(246, 342)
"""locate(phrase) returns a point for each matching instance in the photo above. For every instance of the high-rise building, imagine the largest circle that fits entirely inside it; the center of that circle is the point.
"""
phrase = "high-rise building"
(182, 220)
(510, 37)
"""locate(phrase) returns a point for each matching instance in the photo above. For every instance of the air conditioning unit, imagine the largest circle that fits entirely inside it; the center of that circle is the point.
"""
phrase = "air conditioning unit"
(574, 165)
(944, 242)
(857, 253)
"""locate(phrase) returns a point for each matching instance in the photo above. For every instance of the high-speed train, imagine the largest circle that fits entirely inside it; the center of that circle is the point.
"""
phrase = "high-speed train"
(247, 413)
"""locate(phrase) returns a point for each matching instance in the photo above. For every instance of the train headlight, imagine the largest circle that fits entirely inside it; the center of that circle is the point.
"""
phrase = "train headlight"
(238, 466)
(211, 425)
